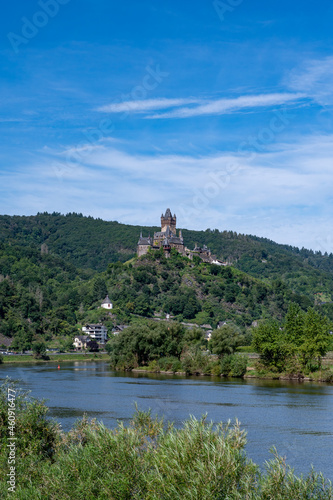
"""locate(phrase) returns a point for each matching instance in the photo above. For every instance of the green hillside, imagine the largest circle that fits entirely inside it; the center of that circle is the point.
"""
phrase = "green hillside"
(55, 269)
(194, 290)
(39, 294)
(93, 243)
(43, 295)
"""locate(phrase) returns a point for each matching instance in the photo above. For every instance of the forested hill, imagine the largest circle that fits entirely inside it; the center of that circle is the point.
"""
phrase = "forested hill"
(42, 295)
(93, 243)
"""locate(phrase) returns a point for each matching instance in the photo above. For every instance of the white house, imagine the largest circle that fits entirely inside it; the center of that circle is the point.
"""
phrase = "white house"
(96, 332)
(80, 342)
(106, 304)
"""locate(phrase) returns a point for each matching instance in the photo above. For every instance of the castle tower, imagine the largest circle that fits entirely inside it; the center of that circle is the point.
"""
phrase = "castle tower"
(168, 220)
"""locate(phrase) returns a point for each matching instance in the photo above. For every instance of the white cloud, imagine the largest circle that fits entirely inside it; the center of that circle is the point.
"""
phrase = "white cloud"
(201, 107)
(224, 106)
(284, 194)
(145, 105)
(315, 78)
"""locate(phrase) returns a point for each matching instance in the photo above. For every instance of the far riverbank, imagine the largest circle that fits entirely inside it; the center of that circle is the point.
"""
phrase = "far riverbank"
(323, 376)
(254, 372)
(55, 358)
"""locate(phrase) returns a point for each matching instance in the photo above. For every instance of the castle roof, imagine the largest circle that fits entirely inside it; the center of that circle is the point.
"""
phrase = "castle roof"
(176, 239)
(167, 213)
(107, 300)
(144, 241)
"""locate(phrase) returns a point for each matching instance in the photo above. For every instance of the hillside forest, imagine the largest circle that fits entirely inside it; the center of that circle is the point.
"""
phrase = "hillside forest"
(55, 270)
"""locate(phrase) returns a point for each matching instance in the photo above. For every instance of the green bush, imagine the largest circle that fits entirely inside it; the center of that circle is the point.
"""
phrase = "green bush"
(176, 366)
(167, 363)
(238, 365)
(234, 365)
(226, 364)
(36, 436)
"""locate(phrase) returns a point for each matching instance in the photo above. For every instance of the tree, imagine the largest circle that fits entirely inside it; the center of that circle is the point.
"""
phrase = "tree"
(67, 344)
(92, 346)
(141, 306)
(192, 306)
(100, 290)
(268, 341)
(22, 340)
(141, 343)
(305, 337)
(293, 326)
(224, 340)
(39, 350)
(316, 336)
(194, 336)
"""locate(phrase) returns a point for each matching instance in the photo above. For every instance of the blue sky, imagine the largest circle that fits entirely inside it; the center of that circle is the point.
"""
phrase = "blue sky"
(220, 110)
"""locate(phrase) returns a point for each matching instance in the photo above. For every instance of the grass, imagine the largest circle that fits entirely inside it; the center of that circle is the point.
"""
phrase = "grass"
(54, 358)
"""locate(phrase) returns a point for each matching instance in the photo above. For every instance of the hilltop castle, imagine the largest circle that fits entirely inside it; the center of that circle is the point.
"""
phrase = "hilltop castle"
(167, 238)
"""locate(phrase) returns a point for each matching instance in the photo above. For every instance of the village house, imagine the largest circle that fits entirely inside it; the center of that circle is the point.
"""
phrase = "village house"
(80, 342)
(97, 332)
(118, 328)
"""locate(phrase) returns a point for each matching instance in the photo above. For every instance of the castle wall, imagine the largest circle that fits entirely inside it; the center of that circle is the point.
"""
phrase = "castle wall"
(143, 249)
(168, 221)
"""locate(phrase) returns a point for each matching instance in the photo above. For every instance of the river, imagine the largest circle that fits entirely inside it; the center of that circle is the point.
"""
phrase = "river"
(295, 417)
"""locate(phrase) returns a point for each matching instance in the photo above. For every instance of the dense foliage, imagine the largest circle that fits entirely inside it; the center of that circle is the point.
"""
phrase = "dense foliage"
(42, 295)
(225, 340)
(163, 347)
(146, 460)
(297, 344)
(142, 343)
(194, 290)
(39, 294)
(93, 243)
(43, 292)
(84, 241)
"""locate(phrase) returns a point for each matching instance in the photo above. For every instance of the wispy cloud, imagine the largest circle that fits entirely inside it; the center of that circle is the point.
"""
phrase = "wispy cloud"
(178, 107)
(146, 105)
(224, 106)
(315, 78)
(202, 190)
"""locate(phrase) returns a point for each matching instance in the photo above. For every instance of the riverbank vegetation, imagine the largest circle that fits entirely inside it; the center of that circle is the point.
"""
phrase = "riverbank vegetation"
(293, 348)
(169, 346)
(146, 460)
(296, 345)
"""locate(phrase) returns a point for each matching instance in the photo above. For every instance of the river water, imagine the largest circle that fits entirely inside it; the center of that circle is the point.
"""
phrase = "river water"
(295, 417)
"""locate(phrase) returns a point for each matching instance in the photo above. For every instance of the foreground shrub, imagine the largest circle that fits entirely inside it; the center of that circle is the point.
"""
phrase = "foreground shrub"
(36, 436)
